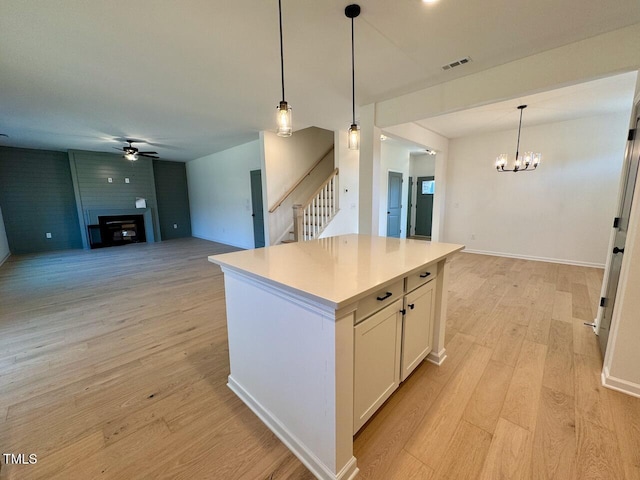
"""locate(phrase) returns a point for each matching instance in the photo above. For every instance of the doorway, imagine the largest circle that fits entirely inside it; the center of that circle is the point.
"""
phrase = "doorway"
(409, 205)
(257, 208)
(622, 224)
(424, 206)
(394, 204)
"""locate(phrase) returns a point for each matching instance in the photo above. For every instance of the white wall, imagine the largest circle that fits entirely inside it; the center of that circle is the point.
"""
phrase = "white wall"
(346, 220)
(285, 161)
(4, 243)
(220, 194)
(561, 212)
(393, 158)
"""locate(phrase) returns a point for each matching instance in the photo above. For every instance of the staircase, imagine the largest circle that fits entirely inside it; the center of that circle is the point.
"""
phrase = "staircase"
(312, 217)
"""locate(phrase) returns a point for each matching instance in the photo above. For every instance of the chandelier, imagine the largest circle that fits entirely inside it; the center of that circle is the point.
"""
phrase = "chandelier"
(529, 161)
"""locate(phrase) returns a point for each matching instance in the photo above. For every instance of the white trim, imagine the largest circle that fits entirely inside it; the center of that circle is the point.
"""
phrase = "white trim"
(437, 358)
(619, 384)
(224, 242)
(5, 259)
(536, 259)
(300, 450)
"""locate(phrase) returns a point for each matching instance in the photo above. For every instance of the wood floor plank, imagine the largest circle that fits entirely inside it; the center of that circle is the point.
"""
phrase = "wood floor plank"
(562, 306)
(430, 440)
(521, 403)
(485, 405)
(592, 399)
(598, 454)
(626, 417)
(539, 326)
(509, 454)
(508, 347)
(558, 368)
(554, 444)
(466, 454)
(585, 341)
(407, 467)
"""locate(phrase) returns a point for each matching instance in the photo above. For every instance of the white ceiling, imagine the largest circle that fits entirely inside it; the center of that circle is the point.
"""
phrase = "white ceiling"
(598, 97)
(198, 76)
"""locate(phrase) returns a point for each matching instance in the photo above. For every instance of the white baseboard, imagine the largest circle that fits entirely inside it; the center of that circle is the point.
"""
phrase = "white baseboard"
(224, 242)
(5, 259)
(437, 357)
(536, 259)
(310, 460)
(620, 385)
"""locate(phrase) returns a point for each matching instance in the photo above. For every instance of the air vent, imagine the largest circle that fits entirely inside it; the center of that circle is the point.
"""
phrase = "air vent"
(457, 63)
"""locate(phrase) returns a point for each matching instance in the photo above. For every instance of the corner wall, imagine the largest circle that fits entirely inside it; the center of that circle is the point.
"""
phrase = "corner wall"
(220, 194)
(4, 243)
(561, 212)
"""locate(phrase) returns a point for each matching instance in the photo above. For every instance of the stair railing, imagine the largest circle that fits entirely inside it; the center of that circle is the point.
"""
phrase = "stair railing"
(311, 218)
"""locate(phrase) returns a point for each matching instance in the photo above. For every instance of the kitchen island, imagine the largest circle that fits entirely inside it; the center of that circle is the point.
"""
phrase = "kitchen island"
(321, 333)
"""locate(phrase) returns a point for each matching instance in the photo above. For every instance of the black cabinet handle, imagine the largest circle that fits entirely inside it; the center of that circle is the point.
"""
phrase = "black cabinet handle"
(403, 311)
(618, 250)
(387, 295)
(412, 306)
(425, 275)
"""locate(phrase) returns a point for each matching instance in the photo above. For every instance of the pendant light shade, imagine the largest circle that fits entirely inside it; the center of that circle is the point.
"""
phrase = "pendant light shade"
(352, 11)
(283, 120)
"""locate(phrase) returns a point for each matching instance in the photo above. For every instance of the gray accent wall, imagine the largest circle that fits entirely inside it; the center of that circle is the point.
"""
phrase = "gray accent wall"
(96, 195)
(36, 197)
(173, 199)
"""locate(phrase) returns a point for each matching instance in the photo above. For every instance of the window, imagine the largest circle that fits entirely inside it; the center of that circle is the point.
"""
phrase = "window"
(428, 187)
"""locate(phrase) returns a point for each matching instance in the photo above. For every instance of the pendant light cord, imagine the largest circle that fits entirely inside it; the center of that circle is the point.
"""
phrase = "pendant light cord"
(353, 74)
(519, 127)
(281, 48)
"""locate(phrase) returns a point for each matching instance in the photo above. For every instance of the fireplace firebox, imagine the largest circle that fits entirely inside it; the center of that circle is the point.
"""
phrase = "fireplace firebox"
(116, 230)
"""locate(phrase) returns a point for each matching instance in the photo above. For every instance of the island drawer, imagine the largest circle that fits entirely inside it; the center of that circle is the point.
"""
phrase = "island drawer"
(421, 277)
(380, 299)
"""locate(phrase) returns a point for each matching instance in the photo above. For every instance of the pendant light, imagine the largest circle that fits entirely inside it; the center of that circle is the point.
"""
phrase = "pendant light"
(284, 110)
(352, 11)
(530, 160)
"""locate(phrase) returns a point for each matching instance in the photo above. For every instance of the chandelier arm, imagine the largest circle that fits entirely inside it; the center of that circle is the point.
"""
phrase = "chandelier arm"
(519, 128)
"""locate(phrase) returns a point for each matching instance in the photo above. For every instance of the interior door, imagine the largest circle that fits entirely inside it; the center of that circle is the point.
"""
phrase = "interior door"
(424, 205)
(257, 209)
(394, 204)
(633, 158)
(410, 204)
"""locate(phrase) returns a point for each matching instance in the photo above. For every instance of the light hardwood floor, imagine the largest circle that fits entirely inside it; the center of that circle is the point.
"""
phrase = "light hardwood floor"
(113, 364)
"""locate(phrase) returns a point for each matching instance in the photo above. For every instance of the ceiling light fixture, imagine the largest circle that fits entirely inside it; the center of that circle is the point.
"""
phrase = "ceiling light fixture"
(132, 156)
(284, 110)
(530, 159)
(352, 11)
(383, 137)
(430, 152)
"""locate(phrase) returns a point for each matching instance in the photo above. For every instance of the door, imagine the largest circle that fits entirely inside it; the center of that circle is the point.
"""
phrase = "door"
(633, 154)
(417, 330)
(410, 204)
(376, 374)
(394, 204)
(424, 205)
(257, 209)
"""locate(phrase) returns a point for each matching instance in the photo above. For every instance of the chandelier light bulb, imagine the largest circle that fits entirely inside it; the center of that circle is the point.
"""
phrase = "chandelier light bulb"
(354, 137)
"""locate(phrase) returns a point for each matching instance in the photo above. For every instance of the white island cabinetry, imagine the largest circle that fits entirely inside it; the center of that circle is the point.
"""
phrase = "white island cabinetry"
(322, 332)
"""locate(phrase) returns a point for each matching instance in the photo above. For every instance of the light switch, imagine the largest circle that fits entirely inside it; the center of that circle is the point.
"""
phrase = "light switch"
(175, 225)
(126, 180)
(110, 180)
(48, 234)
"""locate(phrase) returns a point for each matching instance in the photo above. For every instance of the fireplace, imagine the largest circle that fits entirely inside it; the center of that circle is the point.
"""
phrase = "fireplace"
(115, 230)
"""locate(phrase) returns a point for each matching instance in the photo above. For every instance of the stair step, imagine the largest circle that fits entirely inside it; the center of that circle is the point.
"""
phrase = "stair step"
(288, 241)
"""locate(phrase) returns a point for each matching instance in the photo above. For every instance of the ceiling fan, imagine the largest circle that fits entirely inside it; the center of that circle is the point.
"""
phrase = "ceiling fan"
(132, 153)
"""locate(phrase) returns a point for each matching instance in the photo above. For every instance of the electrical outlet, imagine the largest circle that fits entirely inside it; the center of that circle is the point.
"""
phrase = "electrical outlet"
(175, 225)
(126, 180)
(48, 234)
(110, 180)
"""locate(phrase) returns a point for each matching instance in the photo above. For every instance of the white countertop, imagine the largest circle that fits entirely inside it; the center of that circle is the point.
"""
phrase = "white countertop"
(336, 271)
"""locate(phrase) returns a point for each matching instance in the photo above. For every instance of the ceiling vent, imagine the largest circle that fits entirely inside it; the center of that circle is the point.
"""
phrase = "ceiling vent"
(457, 63)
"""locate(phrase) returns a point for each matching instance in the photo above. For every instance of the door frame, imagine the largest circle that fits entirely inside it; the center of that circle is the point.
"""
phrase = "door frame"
(252, 174)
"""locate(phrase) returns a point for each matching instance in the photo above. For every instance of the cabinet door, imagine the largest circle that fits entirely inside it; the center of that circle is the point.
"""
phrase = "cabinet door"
(417, 334)
(376, 373)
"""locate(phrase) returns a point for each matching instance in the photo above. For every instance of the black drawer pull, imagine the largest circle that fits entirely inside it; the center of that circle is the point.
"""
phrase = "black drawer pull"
(425, 275)
(387, 295)
(412, 306)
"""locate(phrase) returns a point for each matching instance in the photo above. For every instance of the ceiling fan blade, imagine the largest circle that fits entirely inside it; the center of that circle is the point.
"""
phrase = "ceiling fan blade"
(117, 148)
(150, 153)
(148, 156)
